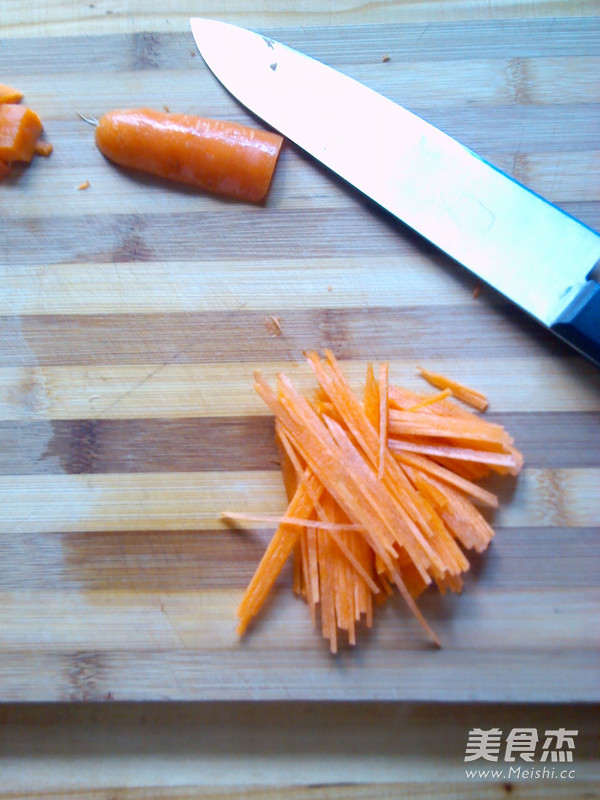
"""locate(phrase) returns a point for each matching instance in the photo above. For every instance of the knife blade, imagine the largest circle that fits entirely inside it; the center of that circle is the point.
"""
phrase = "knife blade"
(528, 249)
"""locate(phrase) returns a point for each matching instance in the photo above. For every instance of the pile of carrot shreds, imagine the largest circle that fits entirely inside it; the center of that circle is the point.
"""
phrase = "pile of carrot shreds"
(382, 493)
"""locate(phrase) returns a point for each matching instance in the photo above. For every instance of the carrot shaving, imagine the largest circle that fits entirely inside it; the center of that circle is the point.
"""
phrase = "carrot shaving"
(383, 416)
(381, 495)
(469, 396)
(285, 520)
(435, 398)
(371, 398)
(408, 423)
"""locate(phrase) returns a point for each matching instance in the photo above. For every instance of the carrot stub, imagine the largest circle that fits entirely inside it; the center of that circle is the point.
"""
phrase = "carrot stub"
(221, 157)
(375, 503)
(20, 128)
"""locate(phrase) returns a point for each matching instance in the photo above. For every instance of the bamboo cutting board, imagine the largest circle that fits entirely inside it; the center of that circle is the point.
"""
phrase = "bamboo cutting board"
(133, 316)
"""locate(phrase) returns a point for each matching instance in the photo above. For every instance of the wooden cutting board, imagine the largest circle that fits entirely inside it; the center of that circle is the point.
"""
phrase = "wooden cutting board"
(133, 316)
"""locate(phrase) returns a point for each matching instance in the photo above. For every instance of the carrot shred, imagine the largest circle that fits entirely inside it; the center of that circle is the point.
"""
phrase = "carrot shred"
(469, 396)
(285, 520)
(381, 495)
(383, 416)
(435, 398)
(408, 423)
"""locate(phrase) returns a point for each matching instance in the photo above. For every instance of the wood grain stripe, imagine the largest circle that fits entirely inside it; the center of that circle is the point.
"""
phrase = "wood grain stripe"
(150, 562)
(195, 500)
(204, 444)
(149, 50)
(154, 237)
(391, 667)
(177, 391)
(270, 286)
(246, 336)
(159, 562)
(213, 444)
(330, 790)
(298, 184)
(204, 621)
(219, 751)
(422, 83)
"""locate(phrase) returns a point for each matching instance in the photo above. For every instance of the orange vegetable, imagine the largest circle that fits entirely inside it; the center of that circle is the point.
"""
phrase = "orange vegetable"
(220, 157)
(20, 129)
(464, 393)
(9, 95)
(4, 170)
(43, 149)
(375, 503)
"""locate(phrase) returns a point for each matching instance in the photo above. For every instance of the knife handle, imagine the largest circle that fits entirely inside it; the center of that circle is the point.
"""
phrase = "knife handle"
(579, 324)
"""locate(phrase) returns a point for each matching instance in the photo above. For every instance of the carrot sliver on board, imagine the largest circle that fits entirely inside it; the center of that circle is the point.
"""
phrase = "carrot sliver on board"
(381, 490)
(469, 396)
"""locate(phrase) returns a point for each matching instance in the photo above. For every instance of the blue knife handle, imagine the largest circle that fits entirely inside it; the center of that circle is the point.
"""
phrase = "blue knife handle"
(579, 324)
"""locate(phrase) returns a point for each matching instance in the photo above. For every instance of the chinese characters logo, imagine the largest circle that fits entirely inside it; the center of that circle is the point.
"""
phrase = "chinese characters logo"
(554, 747)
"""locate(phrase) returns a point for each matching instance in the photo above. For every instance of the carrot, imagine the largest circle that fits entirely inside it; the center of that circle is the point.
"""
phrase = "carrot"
(43, 149)
(325, 525)
(407, 503)
(459, 453)
(383, 416)
(429, 401)
(216, 156)
(371, 398)
(9, 95)
(407, 423)
(469, 396)
(375, 504)
(20, 128)
(4, 170)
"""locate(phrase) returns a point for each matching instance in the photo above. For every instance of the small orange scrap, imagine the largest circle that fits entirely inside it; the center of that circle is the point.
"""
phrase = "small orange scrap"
(20, 131)
(382, 495)
(43, 149)
(9, 95)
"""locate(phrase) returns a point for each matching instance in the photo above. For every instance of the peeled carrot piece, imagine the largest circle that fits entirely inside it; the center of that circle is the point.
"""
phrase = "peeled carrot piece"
(20, 128)
(4, 170)
(216, 156)
(9, 95)
(383, 416)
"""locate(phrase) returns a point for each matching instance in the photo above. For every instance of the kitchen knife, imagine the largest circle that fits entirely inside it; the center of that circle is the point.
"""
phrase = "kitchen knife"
(542, 259)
